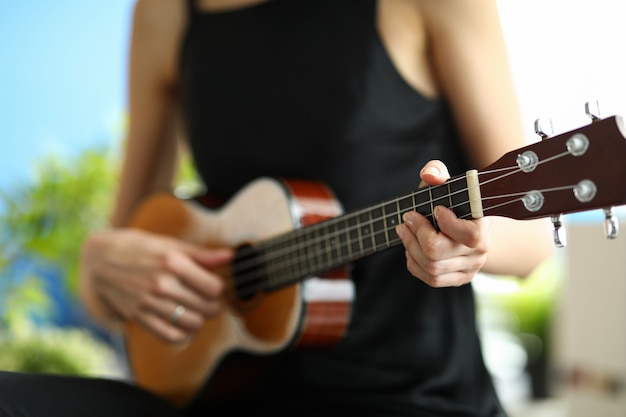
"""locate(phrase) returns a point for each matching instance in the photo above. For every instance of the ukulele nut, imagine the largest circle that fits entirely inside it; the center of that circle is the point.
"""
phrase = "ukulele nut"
(533, 200)
(585, 191)
(578, 144)
(527, 161)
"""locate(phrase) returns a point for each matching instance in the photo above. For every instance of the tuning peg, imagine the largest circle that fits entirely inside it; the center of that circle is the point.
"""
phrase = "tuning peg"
(611, 224)
(592, 109)
(558, 234)
(544, 128)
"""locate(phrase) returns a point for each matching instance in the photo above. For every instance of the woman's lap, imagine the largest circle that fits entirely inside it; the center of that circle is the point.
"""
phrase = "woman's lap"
(40, 395)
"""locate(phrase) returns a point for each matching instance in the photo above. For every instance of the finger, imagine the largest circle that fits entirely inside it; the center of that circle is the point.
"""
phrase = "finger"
(428, 243)
(162, 328)
(141, 284)
(159, 295)
(446, 274)
(470, 233)
(193, 275)
(172, 288)
(433, 257)
(178, 315)
(211, 259)
(434, 172)
(173, 312)
(184, 281)
(155, 315)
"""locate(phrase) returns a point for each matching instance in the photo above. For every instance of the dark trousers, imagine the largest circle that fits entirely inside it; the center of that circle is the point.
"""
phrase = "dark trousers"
(38, 395)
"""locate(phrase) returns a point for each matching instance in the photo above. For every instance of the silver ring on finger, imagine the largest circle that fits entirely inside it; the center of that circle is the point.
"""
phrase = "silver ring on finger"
(178, 312)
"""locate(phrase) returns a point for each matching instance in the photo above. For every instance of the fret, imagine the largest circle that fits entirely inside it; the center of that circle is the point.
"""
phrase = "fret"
(380, 237)
(301, 255)
(318, 254)
(393, 236)
(460, 198)
(354, 241)
(294, 260)
(394, 219)
(431, 207)
(405, 204)
(391, 214)
(365, 232)
(339, 247)
(311, 250)
(385, 226)
(402, 205)
(441, 195)
(398, 212)
(424, 202)
(359, 234)
(326, 244)
(372, 230)
(346, 239)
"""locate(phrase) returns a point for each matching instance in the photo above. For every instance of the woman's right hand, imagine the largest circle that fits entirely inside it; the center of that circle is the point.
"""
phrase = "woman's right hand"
(164, 284)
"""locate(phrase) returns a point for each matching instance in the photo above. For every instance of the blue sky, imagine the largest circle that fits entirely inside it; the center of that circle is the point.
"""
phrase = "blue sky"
(62, 78)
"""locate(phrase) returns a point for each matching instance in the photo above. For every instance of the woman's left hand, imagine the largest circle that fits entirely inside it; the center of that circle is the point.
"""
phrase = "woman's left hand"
(451, 256)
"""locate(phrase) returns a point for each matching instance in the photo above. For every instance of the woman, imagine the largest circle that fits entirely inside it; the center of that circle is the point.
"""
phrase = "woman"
(356, 94)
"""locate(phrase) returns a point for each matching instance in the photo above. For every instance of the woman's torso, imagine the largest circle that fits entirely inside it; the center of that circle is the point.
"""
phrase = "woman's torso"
(307, 89)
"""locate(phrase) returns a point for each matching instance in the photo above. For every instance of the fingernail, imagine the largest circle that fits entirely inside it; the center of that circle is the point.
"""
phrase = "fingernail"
(400, 230)
(408, 218)
(432, 170)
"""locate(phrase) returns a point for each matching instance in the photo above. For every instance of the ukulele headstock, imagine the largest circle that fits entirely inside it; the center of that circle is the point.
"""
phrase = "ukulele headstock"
(580, 170)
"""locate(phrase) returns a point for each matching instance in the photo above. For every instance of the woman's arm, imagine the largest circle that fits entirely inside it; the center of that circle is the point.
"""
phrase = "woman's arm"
(149, 161)
(465, 44)
(127, 274)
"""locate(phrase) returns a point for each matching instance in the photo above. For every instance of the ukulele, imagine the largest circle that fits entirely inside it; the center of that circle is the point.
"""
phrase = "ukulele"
(288, 286)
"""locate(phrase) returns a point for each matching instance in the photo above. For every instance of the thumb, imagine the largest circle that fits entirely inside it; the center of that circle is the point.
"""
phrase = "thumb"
(434, 172)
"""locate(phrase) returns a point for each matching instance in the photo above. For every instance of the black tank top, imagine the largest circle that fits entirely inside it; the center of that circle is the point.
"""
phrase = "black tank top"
(305, 89)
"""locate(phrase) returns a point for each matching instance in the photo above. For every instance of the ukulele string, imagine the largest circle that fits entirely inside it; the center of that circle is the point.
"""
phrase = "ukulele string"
(514, 200)
(285, 253)
(273, 245)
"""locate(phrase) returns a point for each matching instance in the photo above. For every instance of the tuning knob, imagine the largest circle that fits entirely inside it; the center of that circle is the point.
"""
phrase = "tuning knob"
(592, 109)
(558, 234)
(544, 128)
(611, 224)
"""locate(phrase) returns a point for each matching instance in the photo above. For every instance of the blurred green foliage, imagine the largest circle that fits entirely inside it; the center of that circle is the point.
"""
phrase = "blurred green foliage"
(43, 223)
(49, 218)
(69, 351)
